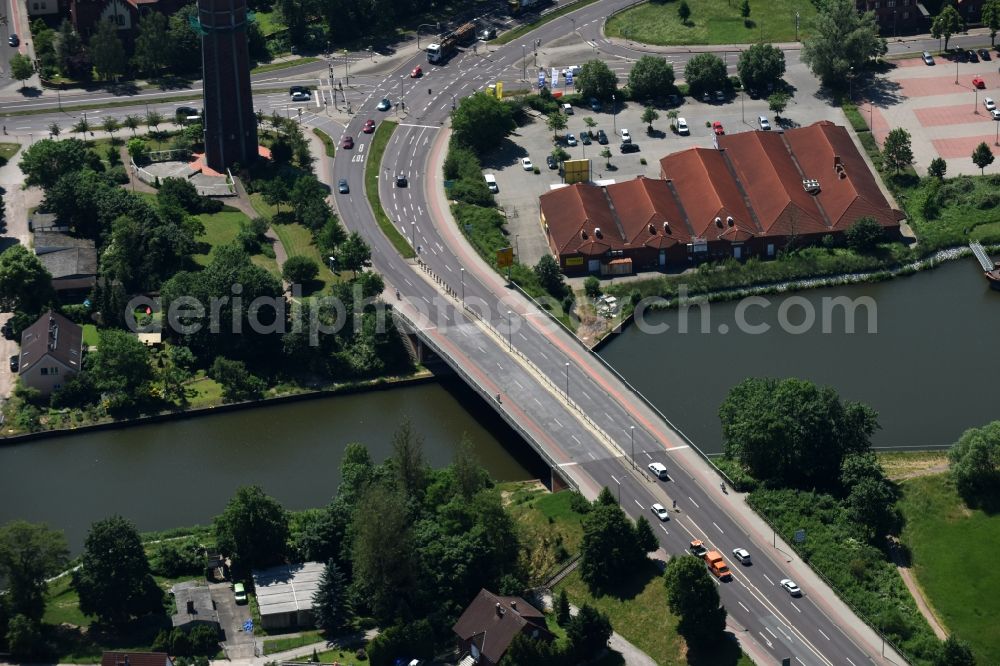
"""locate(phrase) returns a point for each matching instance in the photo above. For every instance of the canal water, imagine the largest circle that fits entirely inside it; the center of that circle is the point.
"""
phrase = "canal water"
(931, 370)
(183, 472)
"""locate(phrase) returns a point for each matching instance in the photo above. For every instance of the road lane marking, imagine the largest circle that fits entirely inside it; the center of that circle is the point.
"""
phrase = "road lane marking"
(569, 464)
(665, 530)
(536, 400)
(518, 385)
(771, 632)
(821, 632)
(647, 455)
(677, 448)
(498, 365)
(695, 504)
(744, 607)
(850, 662)
(615, 480)
(640, 506)
(796, 607)
(592, 456)
(719, 528)
(800, 661)
(558, 423)
(769, 580)
(574, 438)
(766, 640)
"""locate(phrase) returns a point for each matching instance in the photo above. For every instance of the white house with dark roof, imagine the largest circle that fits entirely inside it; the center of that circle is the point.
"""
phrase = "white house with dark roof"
(51, 352)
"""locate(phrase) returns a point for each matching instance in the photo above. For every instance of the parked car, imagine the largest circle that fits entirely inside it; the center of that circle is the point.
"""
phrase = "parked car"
(301, 97)
(240, 593)
(487, 34)
(717, 128)
(550, 161)
(720, 96)
(682, 126)
(595, 105)
(585, 138)
(928, 60)
(384, 104)
(673, 100)
(792, 588)
(659, 470)
(491, 183)
(626, 137)
(14, 40)
(984, 54)
(567, 109)
(629, 147)
(347, 142)
(660, 512)
(960, 55)
(417, 72)
(570, 140)
(995, 113)
(401, 181)
(977, 82)
(602, 138)
(741, 555)
(369, 126)
(989, 104)
(15, 363)
(343, 187)
(526, 164)
(763, 122)
(971, 56)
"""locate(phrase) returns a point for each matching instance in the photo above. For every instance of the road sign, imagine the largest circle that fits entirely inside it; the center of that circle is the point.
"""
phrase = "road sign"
(569, 78)
(800, 536)
(505, 257)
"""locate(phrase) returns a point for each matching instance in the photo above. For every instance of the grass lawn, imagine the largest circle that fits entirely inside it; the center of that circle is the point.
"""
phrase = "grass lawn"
(204, 392)
(954, 551)
(342, 657)
(969, 212)
(712, 22)
(551, 531)
(90, 337)
(328, 146)
(220, 229)
(272, 645)
(269, 22)
(284, 64)
(296, 239)
(7, 151)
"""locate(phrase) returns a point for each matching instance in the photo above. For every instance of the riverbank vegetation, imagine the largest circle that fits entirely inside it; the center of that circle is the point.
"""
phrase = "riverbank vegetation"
(156, 250)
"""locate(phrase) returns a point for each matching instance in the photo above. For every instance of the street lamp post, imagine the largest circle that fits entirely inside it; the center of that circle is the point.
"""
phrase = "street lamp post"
(614, 115)
(619, 491)
(413, 234)
(975, 108)
(956, 70)
(631, 431)
(524, 62)
(850, 84)
(567, 380)
(510, 345)
(462, 273)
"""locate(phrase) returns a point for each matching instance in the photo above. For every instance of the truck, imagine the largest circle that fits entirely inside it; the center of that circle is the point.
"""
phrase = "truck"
(448, 43)
(516, 7)
(717, 565)
(698, 548)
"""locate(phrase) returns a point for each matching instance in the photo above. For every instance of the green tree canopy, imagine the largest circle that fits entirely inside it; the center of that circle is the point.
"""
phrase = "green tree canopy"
(651, 78)
(238, 383)
(300, 269)
(46, 160)
(588, 632)
(610, 547)
(21, 68)
(556, 121)
(120, 367)
(982, 156)
(481, 121)
(25, 284)
(595, 79)
(975, 465)
(954, 652)
(331, 602)
(114, 580)
(253, 529)
(107, 51)
(946, 23)
(990, 17)
(694, 598)
(937, 168)
(706, 72)
(29, 554)
(792, 432)
(760, 65)
(72, 57)
(649, 116)
(777, 103)
(550, 276)
(150, 54)
(897, 151)
(864, 235)
(353, 254)
(841, 38)
(684, 11)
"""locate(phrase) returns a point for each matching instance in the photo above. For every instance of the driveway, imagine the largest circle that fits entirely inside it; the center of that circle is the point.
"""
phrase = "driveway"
(238, 643)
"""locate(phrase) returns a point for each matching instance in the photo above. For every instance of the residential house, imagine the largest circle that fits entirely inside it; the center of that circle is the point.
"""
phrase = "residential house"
(71, 261)
(489, 624)
(285, 594)
(51, 352)
(194, 606)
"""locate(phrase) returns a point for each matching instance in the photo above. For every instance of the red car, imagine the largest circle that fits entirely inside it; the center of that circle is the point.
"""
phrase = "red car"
(369, 126)
(978, 82)
(416, 73)
(347, 142)
(717, 128)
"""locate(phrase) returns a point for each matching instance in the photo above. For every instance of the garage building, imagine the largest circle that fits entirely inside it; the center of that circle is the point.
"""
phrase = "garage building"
(285, 594)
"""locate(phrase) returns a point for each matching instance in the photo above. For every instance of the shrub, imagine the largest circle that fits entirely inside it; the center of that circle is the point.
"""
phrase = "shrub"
(300, 270)
(177, 558)
(592, 286)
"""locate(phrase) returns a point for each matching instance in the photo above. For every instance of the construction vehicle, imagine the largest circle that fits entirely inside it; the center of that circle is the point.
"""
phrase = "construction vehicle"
(440, 51)
(515, 7)
(698, 548)
(717, 565)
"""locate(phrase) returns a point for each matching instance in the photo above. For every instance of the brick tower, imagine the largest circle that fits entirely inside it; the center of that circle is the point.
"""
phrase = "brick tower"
(230, 125)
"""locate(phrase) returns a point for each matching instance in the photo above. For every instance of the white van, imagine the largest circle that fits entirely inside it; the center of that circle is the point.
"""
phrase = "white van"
(491, 182)
(568, 109)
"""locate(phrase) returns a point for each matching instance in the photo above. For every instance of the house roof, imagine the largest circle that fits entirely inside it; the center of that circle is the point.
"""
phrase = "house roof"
(580, 220)
(491, 622)
(53, 241)
(649, 213)
(70, 262)
(55, 336)
(287, 588)
(135, 659)
(203, 610)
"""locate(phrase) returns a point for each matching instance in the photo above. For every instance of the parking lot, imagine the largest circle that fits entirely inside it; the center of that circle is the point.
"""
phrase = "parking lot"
(940, 108)
(519, 189)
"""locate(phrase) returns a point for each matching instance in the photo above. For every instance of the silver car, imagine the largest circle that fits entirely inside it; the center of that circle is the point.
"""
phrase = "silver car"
(763, 122)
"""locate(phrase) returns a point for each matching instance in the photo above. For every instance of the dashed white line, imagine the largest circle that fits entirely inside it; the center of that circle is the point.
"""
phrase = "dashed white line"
(592, 456)
(698, 507)
(615, 480)
(536, 400)
(714, 523)
(822, 634)
(768, 629)
(769, 580)
(574, 438)
(800, 661)
(557, 422)
(647, 455)
(498, 365)
(850, 662)
(796, 607)
(518, 385)
(744, 607)
(482, 350)
(640, 506)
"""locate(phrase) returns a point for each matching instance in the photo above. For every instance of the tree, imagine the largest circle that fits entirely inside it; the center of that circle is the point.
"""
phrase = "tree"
(606, 154)
(937, 168)
(897, 151)
(481, 121)
(253, 529)
(107, 51)
(21, 68)
(684, 12)
(54, 130)
(841, 38)
(527, 651)
(871, 503)
(137, 149)
(110, 125)
(71, 55)
(694, 598)
(299, 269)
(550, 277)
(44, 161)
(706, 72)
(777, 103)
(975, 465)
(990, 18)
(556, 121)
(592, 286)
(588, 632)
(114, 580)
(982, 156)
(149, 54)
(946, 23)
(274, 191)
(562, 608)
(353, 254)
(408, 460)
(791, 432)
(131, 122)
(644, 535)
(745, 9)
(25, 284)
(81, 127)
(760, 65)
(649, 116)
(29, 554)
(954, 652)
(331, 602)
(120, 366)
(237, 382)
(179, 192)
(24, 638)
(864, 235)
(610, 547)
(651, 78)
(153, 119)
(595, 79)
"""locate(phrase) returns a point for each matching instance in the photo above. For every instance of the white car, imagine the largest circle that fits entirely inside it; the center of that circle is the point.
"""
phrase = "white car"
(570, 140)
(763, 122)
(996, 114)
(682, 126)
(526, 164)
(741, 555)
(658, 470)
(660, 512)
(301, 97)
(989, 104)
(572, 69)
(792, 588)
(626, 137)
